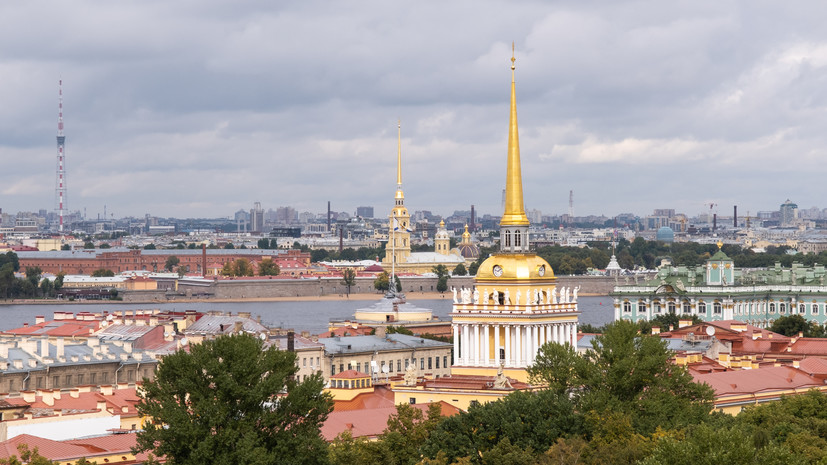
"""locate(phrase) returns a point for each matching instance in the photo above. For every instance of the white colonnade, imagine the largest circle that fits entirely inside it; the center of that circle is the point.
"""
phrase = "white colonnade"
(520, 344)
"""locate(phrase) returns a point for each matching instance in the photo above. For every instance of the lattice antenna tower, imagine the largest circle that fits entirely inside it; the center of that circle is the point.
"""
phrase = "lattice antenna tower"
(60, 176)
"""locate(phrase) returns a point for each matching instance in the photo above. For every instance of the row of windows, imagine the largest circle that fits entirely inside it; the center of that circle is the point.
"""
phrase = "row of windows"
(740, 309)
(657, 308)
(432, 363)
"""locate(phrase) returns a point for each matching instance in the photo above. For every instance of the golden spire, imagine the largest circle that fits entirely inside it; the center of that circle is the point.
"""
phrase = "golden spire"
(514, 214)
(399, 193)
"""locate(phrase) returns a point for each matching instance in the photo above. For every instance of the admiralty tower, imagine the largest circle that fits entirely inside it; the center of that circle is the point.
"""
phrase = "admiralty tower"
(515, 306)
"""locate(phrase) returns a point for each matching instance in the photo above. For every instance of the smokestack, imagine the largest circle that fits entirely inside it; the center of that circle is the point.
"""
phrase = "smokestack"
(291, 341)
(735, 216)
(714, 222)
(473, 220)
(328, 216)
(204, 260)
(341, 235)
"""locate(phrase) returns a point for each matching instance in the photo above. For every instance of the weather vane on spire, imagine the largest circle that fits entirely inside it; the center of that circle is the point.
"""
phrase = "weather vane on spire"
(512, 56)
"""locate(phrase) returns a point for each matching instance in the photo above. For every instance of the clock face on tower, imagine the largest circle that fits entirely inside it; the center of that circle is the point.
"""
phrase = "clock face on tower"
(498, 270)
(542, 270)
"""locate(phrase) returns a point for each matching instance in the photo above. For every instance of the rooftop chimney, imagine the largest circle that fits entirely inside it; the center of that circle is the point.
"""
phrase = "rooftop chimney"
(291, 341)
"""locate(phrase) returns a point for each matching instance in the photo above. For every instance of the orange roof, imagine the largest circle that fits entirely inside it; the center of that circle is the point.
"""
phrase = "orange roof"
(761, 379)
(64, 328)
(808, 346)
(53, 450)
(350, 374)
(370, 423)
(74, 449)
(379, 398)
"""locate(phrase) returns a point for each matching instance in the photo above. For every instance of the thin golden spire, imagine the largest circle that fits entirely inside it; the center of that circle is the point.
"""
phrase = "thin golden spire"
(514, 214)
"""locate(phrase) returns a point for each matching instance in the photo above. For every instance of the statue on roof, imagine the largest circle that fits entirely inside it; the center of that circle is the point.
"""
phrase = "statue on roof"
(410, 375)
(501, 381)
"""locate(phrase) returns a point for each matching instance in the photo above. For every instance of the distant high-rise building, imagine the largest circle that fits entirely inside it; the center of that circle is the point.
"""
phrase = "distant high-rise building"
(286, 215)
(256, 218)
(364, 212)
(789, 213)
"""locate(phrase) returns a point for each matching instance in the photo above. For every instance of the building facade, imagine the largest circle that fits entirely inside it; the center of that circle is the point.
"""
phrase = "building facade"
(719, 291)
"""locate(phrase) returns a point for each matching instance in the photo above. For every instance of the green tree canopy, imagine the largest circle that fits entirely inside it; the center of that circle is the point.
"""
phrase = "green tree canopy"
(440, 270)
(460, 270)
(348, 278)
(171, 263)
(267, 267)
(229, 401)
(103, 273)
(381, 283)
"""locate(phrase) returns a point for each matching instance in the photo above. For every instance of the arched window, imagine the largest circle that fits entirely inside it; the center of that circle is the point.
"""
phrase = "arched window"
(814, 309)
(702, 308)
(507, 238)
(517, 237)
(641, 307)
(656, 307)
(716, 308)
(772, 307)
(686, 307)
(782, 308)
(802, 309)
(627, 307)
(671, 307)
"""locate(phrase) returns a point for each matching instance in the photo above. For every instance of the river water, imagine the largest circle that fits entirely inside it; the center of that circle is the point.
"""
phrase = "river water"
(310, 316)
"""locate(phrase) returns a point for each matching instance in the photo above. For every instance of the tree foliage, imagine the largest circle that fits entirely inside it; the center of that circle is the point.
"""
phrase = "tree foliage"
(348, 278)
(103, 273)
(267, 267)
(460, 270)
(171, 263)
(794, 324)
(229, 401)
(381, 283)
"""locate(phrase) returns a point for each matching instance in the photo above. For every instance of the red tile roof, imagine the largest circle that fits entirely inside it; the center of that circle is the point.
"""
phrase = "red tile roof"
(762, 379)
(380, 397)
(370, 423)
(350, 374)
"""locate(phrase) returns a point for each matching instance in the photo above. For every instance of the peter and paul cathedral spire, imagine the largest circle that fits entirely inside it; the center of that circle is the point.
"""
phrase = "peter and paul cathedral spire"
(398, 248)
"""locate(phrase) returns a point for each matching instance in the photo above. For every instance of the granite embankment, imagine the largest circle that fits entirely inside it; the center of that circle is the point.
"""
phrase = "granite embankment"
(331, 288)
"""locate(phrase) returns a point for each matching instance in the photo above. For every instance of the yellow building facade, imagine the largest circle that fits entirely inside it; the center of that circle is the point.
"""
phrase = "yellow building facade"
(515, 306)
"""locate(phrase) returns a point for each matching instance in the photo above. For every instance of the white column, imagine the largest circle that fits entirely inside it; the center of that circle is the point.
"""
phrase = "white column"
(507, 345)
(574, 335)
(518, 345)
(466, 340)
(555, 331)
(476, 356)
(486, 347)
(532, 354)
(496, 345)
(567, 338)
(456, 343)
(542, 335)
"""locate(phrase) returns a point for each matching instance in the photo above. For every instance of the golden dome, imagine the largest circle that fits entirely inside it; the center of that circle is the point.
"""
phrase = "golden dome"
(515, 267)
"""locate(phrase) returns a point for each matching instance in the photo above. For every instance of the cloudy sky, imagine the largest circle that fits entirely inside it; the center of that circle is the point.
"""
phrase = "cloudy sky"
(200, 108)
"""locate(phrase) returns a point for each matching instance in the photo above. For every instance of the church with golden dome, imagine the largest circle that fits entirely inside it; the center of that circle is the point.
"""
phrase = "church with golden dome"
(398, 255)
(515, 306)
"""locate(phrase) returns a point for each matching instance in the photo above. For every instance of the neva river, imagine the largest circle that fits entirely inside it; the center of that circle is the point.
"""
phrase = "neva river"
(310, 316)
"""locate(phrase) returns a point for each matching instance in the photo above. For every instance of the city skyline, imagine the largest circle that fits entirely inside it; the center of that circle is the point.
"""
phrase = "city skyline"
(181, 111)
